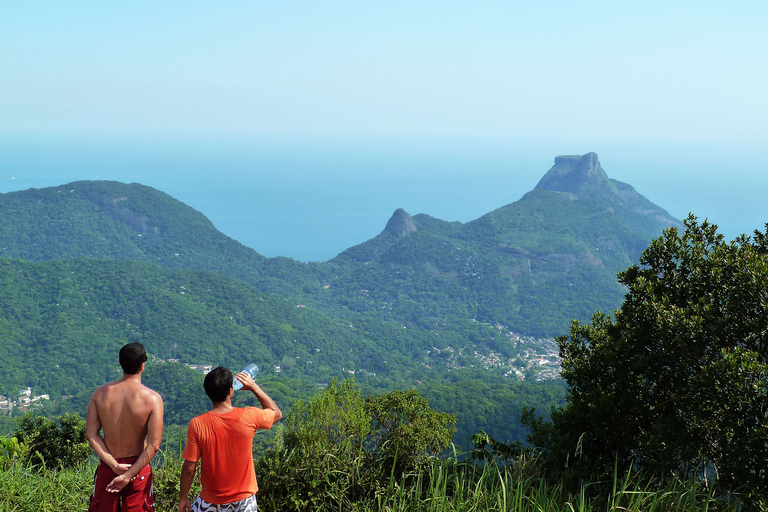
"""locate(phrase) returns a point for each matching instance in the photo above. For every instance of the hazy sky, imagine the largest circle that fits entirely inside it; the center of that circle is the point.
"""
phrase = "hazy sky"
(638, 82)
(645, 71)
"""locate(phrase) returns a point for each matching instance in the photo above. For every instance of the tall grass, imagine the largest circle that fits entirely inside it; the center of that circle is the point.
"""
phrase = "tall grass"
(448, 486)
(24, 488)
(498, 489)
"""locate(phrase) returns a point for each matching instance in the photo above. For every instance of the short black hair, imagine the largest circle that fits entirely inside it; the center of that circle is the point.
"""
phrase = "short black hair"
(131, 357)
(217, 384)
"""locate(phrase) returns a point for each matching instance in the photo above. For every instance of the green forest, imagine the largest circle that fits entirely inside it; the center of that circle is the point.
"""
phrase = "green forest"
(63, 322)
(88, 266)
(656, 379)
(428, 304)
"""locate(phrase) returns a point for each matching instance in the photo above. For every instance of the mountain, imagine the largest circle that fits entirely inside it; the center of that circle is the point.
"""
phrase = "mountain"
(134, 222)
(454, 308)
(63, 321)
(531, 266)
(103, 219)
(584, 179)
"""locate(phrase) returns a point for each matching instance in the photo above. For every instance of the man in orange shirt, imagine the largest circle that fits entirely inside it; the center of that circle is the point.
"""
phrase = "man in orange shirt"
(131, 417)
(223, 439)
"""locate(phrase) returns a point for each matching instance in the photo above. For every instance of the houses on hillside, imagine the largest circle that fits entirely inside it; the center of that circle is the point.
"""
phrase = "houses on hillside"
(24, 402)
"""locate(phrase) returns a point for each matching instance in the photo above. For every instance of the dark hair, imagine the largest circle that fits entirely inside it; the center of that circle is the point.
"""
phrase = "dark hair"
(217, 384)
(131, 357)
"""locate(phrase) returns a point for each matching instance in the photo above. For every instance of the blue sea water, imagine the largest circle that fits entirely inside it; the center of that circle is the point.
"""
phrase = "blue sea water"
(311, 200)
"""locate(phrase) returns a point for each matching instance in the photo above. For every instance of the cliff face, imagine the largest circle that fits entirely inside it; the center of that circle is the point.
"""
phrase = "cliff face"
(583, 178)
(579, 175)
(400, 224)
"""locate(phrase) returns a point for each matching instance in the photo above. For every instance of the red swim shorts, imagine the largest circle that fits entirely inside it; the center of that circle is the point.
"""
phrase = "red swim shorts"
(137, 496)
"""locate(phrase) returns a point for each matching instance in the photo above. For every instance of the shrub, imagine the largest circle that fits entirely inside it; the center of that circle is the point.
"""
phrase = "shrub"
(338, 449)
(55, 444)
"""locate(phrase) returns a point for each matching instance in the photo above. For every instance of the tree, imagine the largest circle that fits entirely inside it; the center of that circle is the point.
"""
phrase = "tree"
(55, 444)
(317, 453)
(11, 451)
(677, 380)
(406, 430)
(337, 448)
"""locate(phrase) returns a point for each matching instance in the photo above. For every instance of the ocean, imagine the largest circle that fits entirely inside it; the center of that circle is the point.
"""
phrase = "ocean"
(311, 200)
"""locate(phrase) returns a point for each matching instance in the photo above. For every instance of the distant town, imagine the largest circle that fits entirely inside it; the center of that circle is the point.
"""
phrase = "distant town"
(23, 402)
(536, 359)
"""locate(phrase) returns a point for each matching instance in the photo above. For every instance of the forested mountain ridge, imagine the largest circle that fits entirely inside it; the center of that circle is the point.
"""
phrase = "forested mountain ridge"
(103, 219)
(63, 322)
(531, 266)
(113, 220)
(87, 266)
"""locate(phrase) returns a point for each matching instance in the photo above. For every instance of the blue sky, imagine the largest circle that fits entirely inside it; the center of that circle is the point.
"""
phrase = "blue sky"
(643, 71)
(672, 95)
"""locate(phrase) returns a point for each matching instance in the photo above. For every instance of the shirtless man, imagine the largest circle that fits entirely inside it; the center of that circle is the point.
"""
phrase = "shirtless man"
(131, 416)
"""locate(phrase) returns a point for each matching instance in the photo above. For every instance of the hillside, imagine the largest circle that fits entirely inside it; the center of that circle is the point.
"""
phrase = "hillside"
(531, 265)
(69, 317)
(112, 220)
(62, 323)
(458, 310)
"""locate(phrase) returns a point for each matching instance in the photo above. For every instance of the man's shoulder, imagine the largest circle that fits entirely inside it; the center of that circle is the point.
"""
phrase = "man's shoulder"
(151, 394)
(200, 418)
(257, 414)
(102, 390)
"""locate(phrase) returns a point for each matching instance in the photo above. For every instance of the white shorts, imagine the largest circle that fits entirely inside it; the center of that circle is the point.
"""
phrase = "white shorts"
(246, 505)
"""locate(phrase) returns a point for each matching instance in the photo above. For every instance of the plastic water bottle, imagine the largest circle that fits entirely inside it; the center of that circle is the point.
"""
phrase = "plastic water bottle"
(251, 370)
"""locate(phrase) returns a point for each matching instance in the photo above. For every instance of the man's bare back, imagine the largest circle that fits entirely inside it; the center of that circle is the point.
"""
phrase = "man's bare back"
(131, 416)
(124, 409)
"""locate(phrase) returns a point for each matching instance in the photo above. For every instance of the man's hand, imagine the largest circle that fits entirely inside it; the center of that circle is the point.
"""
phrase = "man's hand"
(247, 381)
(184, 505)
(264, 399)
(120, 469)
(117, 483)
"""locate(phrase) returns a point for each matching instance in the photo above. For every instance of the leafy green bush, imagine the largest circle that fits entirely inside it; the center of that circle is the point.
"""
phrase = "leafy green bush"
(11, 451)
(677, 382)
(405, 432)
(317, 453)
(337, 449)
(53, 444)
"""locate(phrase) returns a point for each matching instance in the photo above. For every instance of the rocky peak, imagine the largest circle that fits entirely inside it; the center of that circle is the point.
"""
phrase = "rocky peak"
(578, 174)
(401, 224)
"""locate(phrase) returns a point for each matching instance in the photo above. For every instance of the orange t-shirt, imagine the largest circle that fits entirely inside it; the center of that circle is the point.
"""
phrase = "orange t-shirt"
(225, 444)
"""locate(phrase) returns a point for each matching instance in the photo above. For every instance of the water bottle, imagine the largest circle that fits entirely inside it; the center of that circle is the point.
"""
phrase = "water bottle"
(251, 370)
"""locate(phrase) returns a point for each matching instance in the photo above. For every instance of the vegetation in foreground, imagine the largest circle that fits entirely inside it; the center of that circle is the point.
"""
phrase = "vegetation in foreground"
(666, 409)
(491, 478)
(339, 451)
(677, 381)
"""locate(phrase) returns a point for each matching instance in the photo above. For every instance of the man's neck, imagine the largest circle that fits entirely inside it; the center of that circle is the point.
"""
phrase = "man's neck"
(222, 407)
(135, 377)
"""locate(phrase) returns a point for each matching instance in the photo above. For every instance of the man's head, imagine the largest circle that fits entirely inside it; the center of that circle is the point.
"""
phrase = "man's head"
(132, 356)
(217, 384)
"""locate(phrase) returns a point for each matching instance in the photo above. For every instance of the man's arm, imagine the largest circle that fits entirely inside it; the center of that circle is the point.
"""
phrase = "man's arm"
(95, 439)
(154, 437)
(264, 399)
(187, 474)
